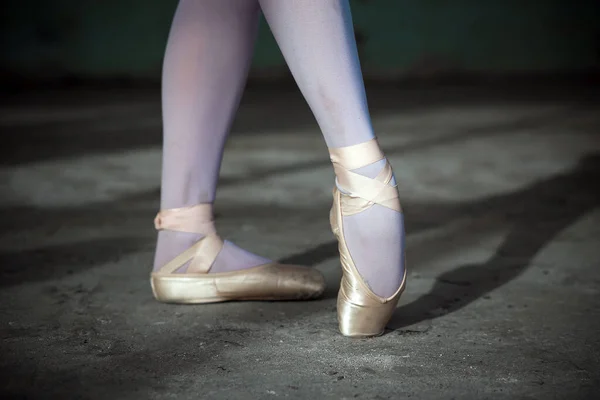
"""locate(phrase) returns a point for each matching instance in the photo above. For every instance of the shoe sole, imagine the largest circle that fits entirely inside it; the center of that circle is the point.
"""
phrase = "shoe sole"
(202, 290)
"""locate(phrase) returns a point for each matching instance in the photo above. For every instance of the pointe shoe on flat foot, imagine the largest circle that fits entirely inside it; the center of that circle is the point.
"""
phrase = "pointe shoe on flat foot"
(361, 313)
(272, 281)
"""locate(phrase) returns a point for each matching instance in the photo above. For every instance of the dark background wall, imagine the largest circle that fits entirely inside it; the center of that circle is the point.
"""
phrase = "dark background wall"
(109, 38)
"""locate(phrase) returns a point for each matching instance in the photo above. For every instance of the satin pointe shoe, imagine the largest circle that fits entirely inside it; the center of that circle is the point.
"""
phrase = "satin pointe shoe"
(270, 281)
(361, 313)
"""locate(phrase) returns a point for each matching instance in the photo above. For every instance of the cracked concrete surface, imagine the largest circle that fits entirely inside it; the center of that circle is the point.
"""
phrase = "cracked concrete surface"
(500, 191)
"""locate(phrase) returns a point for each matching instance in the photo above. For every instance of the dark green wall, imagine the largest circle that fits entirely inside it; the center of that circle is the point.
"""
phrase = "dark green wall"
(94, 38)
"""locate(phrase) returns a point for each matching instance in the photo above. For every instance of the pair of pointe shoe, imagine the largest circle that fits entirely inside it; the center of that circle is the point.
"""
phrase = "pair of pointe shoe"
(361, 313)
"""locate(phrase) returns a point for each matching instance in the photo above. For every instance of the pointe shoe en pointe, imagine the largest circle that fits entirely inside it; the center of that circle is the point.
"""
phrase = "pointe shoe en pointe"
(361, 312)
(272, 281)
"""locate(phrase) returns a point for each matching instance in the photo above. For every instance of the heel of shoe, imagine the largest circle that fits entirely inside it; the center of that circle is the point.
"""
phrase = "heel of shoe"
(184, 289)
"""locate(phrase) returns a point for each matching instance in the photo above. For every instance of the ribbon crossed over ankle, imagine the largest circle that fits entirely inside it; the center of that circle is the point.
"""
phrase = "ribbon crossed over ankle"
(194, 219)
(363, 191)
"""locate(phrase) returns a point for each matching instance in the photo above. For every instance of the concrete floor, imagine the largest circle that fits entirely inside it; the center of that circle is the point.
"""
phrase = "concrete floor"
(500, 190)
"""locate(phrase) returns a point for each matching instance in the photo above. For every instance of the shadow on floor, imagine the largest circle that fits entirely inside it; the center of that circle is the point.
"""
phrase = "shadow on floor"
(55, 262)
(537, 214)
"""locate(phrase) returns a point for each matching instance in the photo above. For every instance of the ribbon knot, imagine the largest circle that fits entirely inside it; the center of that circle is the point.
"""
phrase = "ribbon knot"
(158, 222)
